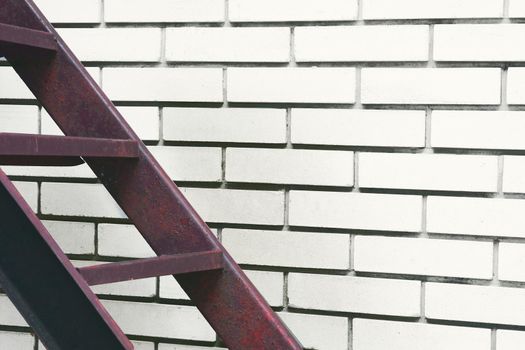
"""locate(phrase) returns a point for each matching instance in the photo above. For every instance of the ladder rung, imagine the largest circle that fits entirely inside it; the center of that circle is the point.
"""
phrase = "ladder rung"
(26, 149)
(152, 267)
(28, 38)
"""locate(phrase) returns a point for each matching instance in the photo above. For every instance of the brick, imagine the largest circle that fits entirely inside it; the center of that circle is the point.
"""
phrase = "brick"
(228, 44)
(145, 287)
(317, 331)
(513, 172)
(290, 166)
(29, 191)
(414, 9)
(18, 341)
(19, 119)
(234, 125)
(515, 85)
(476, 216)
(164, 84)
(386, 335)
(12, 86)
(122, 11)
(362, 211)
(10, 315)
(66, 11)
(511, 261)
(361, 43)
(442, 172)
(516, 8)
(345, 294)
(237, 206)
(190, 163)
(469, 86)
(459, 302)
(358, 127)
(113, 44)
(78, 171)
(142, 345)
(296, 85)
(478, 42)
(509, 340)
(122, 241)
(143, 120)
(156, 320)
(169, 288)
(430, 257)
(291, 10)
(478, 129)
(270, 284)
(186, 347)
(73, 237)
(86, 200)
(288, 249)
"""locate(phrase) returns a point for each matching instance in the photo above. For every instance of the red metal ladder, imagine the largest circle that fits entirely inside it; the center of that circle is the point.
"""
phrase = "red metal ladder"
(50, 293)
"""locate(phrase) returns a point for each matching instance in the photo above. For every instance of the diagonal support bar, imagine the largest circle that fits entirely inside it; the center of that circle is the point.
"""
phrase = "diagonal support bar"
(152, 267)
(44, 285)
(25, 149)
(19, 37)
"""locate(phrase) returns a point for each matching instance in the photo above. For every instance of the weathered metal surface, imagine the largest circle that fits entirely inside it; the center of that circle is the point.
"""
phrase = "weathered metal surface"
(45, 287)
(226, 298)
(25, 149)
(152, 267)
(25, 38)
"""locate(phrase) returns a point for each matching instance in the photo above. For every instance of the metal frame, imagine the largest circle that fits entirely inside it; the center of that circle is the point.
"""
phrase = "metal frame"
(226, 298)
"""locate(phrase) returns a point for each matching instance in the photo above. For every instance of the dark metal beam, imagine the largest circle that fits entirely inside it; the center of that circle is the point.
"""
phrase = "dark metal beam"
(25, 149)
(45, 287)
(152, 267)
(15, 36)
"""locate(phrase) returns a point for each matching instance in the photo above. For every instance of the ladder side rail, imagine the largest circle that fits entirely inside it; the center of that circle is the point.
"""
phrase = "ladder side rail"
(226, 298)
(50, 294)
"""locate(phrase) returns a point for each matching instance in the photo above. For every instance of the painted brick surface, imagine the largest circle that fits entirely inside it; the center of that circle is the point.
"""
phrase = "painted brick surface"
(136, 11)
(291, 249)
(296, 85)
(291, 10)
(362, 211)
(362, 160)
(442, 172)
(459, 302)
(476, 216)
(231, 125)
(415, 9)
(383, 335)
(478, 42)
(114, 44)
(294, 167)
(449, 86)
(164, 84)
(346, 294)
(229, 44)
(361, 43)
(343, 127)
(477, 129)
(417, 256)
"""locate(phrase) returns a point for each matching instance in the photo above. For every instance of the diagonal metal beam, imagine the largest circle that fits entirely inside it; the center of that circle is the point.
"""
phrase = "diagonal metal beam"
(44, 285)
(226, 298)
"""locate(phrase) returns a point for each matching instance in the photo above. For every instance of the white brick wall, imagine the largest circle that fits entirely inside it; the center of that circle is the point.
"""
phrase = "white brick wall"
(468, 86)
(364, 162)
